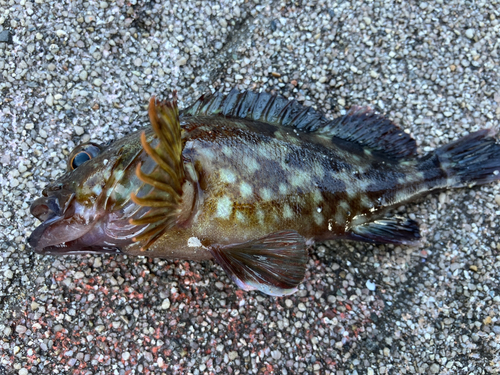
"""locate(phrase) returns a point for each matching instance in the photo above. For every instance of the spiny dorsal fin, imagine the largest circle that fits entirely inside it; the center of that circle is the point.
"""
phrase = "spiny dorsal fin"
(360, 125)
(162, 188)
(263, 107)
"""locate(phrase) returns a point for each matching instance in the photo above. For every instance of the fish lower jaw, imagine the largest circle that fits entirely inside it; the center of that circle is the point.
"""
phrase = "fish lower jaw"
(74, 248)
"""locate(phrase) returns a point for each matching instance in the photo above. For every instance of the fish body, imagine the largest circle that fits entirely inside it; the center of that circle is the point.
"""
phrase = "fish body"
(251, 180)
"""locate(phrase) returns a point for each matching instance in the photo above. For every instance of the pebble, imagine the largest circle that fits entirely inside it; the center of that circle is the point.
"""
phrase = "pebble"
(79, 130)
(469, 33)
(49, 99)
(182, 61)
(138, 61)
(371, 285)
(165, 304)
(233, 355)
(83, 75)
(6, 37)
(97, 82)
(435, 368)
(497, 199)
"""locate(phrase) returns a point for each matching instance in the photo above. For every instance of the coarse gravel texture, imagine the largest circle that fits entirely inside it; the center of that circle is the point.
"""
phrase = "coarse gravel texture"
(73, 71)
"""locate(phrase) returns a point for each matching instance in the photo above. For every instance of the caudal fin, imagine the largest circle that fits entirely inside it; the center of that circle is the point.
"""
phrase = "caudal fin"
(471, 160)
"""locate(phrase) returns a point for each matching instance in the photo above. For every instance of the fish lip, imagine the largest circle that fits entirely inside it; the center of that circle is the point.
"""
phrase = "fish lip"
(74, 247)
(63, 250)
(37, 234)
(43, 241)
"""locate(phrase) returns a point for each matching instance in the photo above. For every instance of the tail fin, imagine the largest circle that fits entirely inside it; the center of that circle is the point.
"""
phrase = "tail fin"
(471, 160)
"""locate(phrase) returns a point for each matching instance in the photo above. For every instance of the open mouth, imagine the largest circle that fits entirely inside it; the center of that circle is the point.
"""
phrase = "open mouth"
(73, 248)
(60, 233)
(53, 237)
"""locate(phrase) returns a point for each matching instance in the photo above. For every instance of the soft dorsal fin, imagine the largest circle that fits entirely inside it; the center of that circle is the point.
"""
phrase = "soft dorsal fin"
(360, 125)
(363, 126)
(162, 188)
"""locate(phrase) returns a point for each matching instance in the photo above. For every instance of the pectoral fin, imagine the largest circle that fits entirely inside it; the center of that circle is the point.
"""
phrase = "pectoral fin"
(395, 230)
(274, 264)
(161, 191)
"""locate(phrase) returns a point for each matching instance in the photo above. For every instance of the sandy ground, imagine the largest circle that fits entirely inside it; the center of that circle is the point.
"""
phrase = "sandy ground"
(78, 70)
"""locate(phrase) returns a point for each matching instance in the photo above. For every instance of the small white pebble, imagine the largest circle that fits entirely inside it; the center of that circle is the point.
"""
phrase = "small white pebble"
(497, 199)
(83, 75)
(79, 130)
(370, 285)
(182, 61)
(233, 355)
(49, 99)
(165, 304)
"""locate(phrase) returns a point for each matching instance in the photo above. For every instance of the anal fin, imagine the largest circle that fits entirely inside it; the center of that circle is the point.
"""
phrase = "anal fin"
(274, 265)
(394, 230)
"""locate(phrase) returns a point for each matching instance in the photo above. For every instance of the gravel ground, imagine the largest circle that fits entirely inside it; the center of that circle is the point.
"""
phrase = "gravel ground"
(78, 70)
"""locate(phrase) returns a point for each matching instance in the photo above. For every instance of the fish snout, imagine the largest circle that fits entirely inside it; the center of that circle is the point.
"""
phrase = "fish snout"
(46, 207)
(54, 186)
(53, 205)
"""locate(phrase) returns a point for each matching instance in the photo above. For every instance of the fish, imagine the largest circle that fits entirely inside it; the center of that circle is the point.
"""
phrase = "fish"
(250, 180)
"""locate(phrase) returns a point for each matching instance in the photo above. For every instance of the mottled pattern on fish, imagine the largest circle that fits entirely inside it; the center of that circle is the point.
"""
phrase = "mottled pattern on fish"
(271, 178)
(251, 180)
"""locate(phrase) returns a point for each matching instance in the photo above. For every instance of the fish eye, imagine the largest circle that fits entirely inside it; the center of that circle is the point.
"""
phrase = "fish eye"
(83, 153)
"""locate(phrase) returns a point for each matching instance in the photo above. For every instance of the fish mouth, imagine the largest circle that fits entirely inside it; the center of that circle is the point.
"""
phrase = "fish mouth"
(64, 230)
(43, 242)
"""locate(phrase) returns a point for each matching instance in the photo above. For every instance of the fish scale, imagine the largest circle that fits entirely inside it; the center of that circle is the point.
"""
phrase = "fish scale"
(250, 180)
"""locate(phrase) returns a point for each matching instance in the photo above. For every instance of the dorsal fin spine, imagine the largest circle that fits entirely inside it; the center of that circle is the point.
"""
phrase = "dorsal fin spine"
(359, 125)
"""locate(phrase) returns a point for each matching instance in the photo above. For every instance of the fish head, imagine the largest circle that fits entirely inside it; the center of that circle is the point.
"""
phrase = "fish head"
(87, 210)
(116, 198)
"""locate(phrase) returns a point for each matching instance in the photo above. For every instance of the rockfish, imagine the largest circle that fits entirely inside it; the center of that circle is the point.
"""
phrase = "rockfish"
(251, 180)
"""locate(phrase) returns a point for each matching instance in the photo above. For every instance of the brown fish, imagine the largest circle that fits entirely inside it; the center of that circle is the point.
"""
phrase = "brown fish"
(251, 180)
